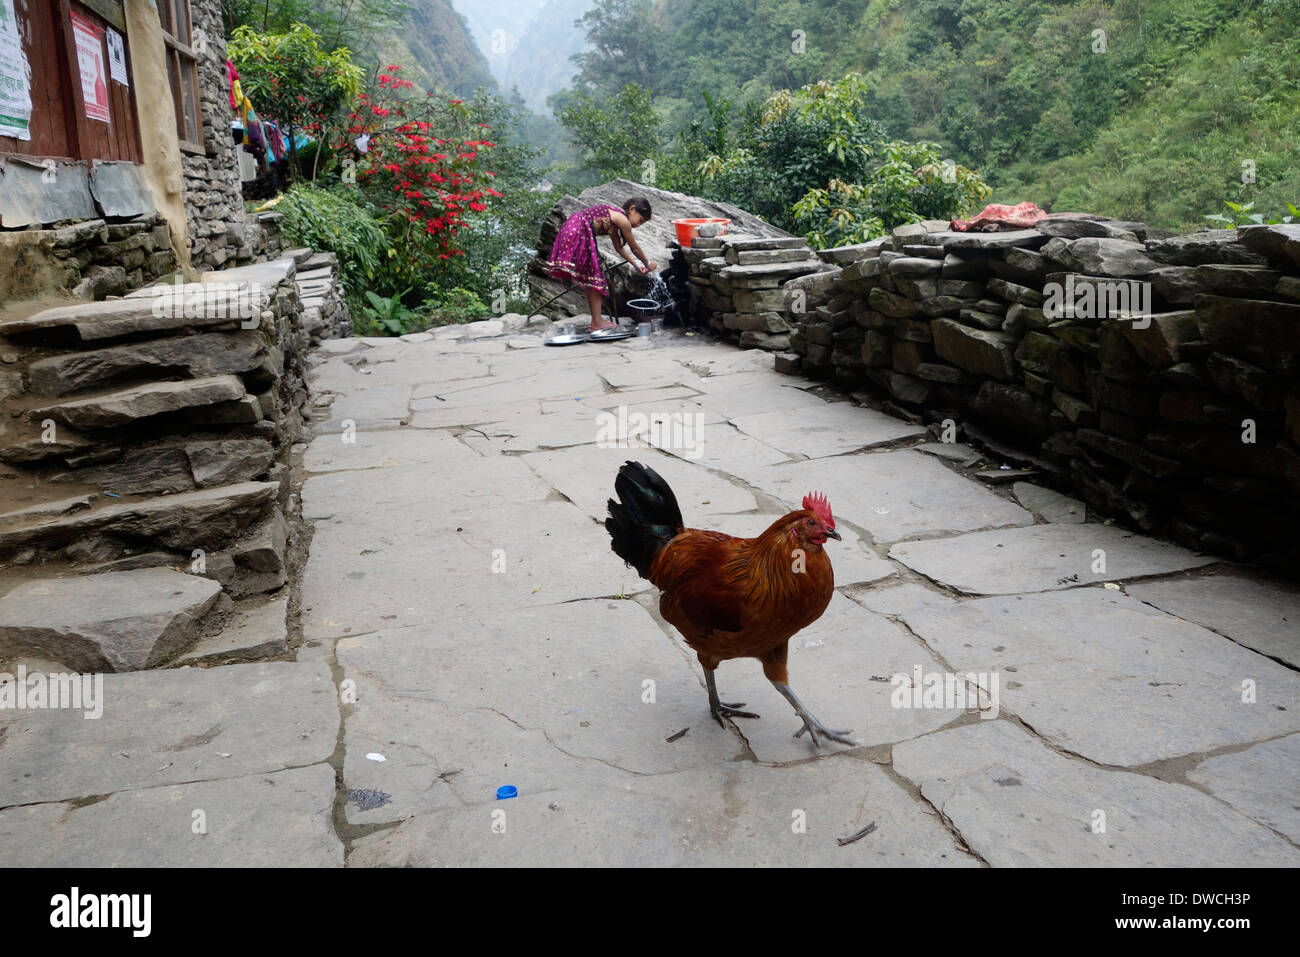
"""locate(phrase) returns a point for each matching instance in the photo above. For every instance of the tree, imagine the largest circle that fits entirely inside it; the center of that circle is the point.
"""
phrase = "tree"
(615, 138)
(292, 80)
(625, 45)
(333, 20)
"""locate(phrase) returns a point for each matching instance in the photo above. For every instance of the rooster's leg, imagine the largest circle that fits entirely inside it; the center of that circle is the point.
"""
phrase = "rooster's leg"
(811, 724)
(721, 708)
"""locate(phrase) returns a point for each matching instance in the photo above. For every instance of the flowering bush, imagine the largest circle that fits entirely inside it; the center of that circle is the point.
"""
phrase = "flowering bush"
(424, 168)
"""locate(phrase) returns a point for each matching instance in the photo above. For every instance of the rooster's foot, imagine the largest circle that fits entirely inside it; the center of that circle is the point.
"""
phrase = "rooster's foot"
(815, 727)
(721, 709)
(811, 724)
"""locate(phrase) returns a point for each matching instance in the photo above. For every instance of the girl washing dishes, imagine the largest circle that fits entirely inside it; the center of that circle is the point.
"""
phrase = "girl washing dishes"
(574, 257)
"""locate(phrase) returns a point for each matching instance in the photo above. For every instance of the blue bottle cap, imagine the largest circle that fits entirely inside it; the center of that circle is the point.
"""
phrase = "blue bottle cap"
(507, 791)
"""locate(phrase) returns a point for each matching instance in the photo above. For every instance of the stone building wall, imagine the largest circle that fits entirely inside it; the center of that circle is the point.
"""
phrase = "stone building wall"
(1184, 421)
(220, 232)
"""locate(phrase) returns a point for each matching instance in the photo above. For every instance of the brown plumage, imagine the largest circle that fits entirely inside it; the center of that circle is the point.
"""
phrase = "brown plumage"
(729, 597)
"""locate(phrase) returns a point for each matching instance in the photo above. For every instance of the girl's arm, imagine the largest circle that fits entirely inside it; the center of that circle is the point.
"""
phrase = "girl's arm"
(625, 228)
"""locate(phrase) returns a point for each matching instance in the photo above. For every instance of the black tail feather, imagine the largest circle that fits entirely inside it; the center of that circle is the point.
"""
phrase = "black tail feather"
(645, 519)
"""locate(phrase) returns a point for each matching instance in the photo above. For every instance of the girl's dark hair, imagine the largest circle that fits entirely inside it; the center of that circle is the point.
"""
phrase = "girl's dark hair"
(640, 204)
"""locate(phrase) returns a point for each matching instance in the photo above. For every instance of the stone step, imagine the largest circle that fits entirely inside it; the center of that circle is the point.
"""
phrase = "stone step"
(209, 518)
(199, 355)
(139, 402)
(62, 506)
(266, 274)
(116, 621)
(153, 309)
(318, 260)
(23, 443)
(253, 631)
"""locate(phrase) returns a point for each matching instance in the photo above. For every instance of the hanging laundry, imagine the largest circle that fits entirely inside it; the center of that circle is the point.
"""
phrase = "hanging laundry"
(236, 92)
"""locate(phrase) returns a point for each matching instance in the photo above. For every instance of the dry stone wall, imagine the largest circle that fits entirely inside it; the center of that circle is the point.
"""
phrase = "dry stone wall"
(1156, 375)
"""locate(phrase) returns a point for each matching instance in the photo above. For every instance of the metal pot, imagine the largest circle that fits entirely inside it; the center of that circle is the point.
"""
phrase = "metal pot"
(644, 310)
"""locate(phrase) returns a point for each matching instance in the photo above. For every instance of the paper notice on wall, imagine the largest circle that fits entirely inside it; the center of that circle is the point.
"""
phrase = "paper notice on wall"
(90, 61)
(15, 77)
(116, 56)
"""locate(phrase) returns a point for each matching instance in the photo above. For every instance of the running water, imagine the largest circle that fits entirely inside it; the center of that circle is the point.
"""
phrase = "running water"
(659, 291)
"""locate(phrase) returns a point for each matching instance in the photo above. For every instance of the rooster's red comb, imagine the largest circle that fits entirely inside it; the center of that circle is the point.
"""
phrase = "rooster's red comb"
(816, 501)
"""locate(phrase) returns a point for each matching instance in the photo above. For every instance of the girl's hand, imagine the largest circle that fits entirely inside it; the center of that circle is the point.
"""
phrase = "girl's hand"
(648, 268)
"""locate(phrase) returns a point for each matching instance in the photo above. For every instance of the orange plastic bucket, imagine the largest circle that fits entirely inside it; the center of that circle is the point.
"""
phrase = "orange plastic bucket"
(686, 228)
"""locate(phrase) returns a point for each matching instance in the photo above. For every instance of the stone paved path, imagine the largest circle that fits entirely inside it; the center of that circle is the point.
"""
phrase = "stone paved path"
(461, 593)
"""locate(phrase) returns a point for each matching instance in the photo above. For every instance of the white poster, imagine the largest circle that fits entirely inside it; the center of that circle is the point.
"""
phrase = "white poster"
(15, 77)
(90, 61)
(116, 56)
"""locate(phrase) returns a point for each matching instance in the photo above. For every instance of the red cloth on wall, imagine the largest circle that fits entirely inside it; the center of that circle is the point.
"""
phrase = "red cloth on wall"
(995, 216)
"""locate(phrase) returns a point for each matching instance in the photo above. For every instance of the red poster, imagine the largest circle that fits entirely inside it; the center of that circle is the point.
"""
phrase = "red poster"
(90, 60)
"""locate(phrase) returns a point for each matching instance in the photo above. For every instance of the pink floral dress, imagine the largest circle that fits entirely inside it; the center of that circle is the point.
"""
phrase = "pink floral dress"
(574, 257)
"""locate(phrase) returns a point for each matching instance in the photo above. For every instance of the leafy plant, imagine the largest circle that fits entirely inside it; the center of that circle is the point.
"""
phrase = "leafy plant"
(387, 316)
(1243, 215)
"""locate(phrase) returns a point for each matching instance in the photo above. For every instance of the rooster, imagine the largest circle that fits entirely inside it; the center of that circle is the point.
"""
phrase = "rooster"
(729, 597)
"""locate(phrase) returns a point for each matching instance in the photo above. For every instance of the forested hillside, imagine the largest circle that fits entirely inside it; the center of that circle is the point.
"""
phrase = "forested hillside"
(1154, 110)
(435, 42)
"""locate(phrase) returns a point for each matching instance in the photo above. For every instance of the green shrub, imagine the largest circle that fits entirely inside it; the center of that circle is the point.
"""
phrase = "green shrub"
(338, 221)
(457, 305)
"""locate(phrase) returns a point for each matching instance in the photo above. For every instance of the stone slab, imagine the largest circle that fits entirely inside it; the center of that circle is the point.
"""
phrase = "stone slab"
(585, 476)
(172, 727)
(832, 429)
(373, 450)
(139, 402)
(737, 815)
(361, 577)
(202, 519)
(199, 355)
(383, 407)
(1008, 561)
(1100, 674)
(1050, 505)
(162, 309)
(892, 495)
(1260, 782)
(277, 819)
(1019, 804)
(1258, 613)
(957, 452)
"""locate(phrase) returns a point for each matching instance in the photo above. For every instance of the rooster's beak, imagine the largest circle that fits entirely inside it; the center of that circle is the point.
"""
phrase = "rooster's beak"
(831, 533)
